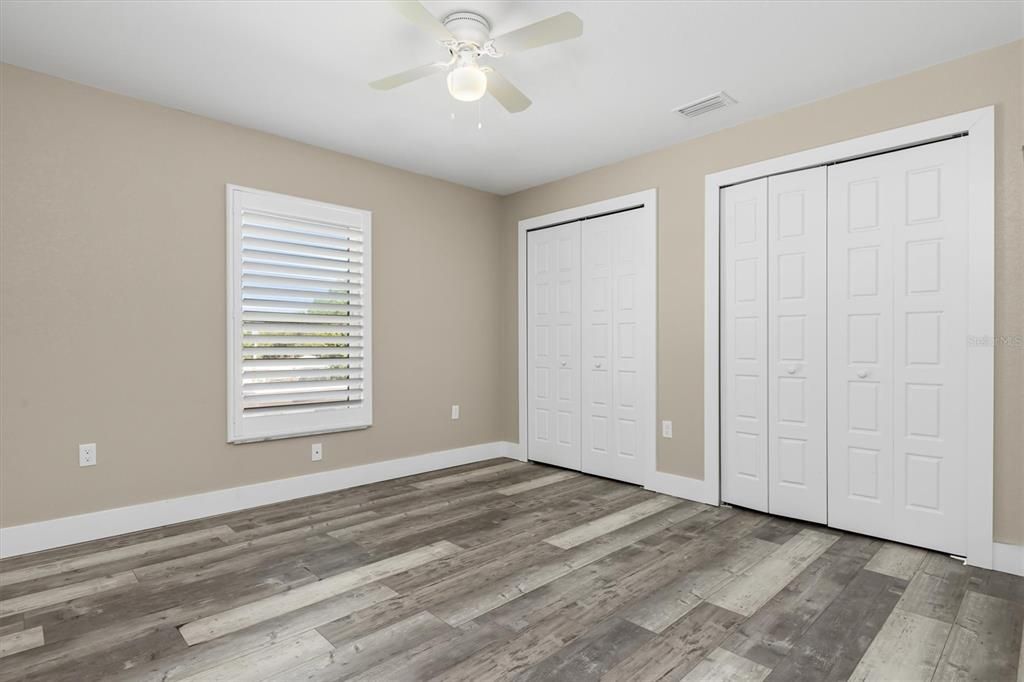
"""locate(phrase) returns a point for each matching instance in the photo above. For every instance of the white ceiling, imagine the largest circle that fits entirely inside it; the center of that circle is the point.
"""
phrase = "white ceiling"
(299, 69)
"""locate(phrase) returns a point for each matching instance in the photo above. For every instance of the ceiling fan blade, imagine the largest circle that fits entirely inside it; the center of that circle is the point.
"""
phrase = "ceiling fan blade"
(508, 95)
(544, 32)
(418, 14)
(408, 76)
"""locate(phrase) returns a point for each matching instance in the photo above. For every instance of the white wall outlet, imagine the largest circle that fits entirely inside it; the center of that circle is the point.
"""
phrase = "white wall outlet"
(87, 455)
(666, 429)
(318, 452)
(455, 411)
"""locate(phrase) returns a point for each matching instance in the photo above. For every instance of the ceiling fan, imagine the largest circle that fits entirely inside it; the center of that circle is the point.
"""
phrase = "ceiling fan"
(467, 37)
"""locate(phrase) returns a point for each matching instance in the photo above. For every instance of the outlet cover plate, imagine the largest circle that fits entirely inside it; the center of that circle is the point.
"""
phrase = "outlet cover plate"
(87, 455)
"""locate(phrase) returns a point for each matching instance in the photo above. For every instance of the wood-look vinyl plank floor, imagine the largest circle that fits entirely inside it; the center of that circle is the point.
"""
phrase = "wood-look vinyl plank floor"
(503, 570)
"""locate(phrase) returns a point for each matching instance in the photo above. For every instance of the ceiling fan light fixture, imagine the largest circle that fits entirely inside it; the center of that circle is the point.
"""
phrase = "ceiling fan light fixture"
(467, 83)
(467, 36)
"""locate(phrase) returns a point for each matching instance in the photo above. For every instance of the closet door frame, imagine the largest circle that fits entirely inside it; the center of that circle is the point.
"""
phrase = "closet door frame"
(645, 206)
(978, 126)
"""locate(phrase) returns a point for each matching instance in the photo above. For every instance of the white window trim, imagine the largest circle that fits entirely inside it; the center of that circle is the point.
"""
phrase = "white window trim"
(980, 128)
(234, 432)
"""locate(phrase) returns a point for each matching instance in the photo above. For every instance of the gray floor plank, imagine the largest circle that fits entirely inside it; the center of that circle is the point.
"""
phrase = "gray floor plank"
(23, 640)
(240, 617)
(898, 561)
(985, 641)
(517, 488)
(679, 648)
(447, 575)
(606, 524)
(191, 660)
(110, 555)
(453, 479)
(434, 656)
(763, 580)
(11, 624)
(276, 660)
(590, 656)
(725, 665)
(833, 645)
(907, 647)
(778, 530)
(664, 606)
(771, 633)
(73, 637)
(356, 656)
(937, 588)
(996, 584)
(470, 606)
(551, 599)
(56, 595)
(204, 589)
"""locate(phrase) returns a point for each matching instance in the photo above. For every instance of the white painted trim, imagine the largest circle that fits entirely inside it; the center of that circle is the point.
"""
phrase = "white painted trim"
(35, 537)
(979, 126)
(679, 486)
(1008, 558)
(981, 323)
(649, 200)
(712, 362)
(514, 451)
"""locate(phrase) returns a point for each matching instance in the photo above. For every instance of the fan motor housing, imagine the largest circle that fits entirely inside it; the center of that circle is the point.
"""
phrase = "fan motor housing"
(468, 27)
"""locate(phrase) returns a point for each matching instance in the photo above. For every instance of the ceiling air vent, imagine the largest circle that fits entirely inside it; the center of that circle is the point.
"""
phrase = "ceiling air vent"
(707, 104)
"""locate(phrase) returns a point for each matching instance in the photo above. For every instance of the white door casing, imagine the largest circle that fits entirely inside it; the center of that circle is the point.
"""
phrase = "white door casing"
(553, 311)
(796, 339)
(898, 345)
(744, 373)
(615, 301)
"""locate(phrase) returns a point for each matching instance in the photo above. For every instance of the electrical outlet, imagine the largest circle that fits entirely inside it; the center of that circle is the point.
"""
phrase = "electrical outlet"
(666, 429)
(87, 455)
(455, 411)
(318, 452)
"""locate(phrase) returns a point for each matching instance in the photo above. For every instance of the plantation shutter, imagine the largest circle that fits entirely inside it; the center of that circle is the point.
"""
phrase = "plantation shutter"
(299, 345)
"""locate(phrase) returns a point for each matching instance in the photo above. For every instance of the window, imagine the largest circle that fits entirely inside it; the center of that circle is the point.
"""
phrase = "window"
(299, 357)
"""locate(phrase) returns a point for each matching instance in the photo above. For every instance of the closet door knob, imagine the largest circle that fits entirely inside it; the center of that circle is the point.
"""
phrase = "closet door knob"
(563, 363)
(862, 373)
(597, 365)
(791, 369)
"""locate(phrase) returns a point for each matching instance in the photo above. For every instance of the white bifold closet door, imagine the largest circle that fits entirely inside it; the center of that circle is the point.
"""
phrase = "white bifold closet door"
(589, 298)
(744, 352)
(614, 298)
(797, 361)
(553, 345)
(897, 345)
(774, 380)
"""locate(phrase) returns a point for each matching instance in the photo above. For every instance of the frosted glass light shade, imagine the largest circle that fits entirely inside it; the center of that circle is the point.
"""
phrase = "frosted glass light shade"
(467, 83)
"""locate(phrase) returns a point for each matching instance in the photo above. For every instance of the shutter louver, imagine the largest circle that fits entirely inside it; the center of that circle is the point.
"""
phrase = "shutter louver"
(301, 315)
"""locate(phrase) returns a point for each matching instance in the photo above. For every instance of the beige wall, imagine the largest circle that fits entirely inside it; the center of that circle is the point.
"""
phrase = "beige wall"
(992, 77)
(113, 324)
(112, 273)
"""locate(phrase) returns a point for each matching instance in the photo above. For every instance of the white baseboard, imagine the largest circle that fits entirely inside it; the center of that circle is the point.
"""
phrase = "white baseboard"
(660, 482)
(515, 451)
(69, 530)
(681, 486)
(1008, 558)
